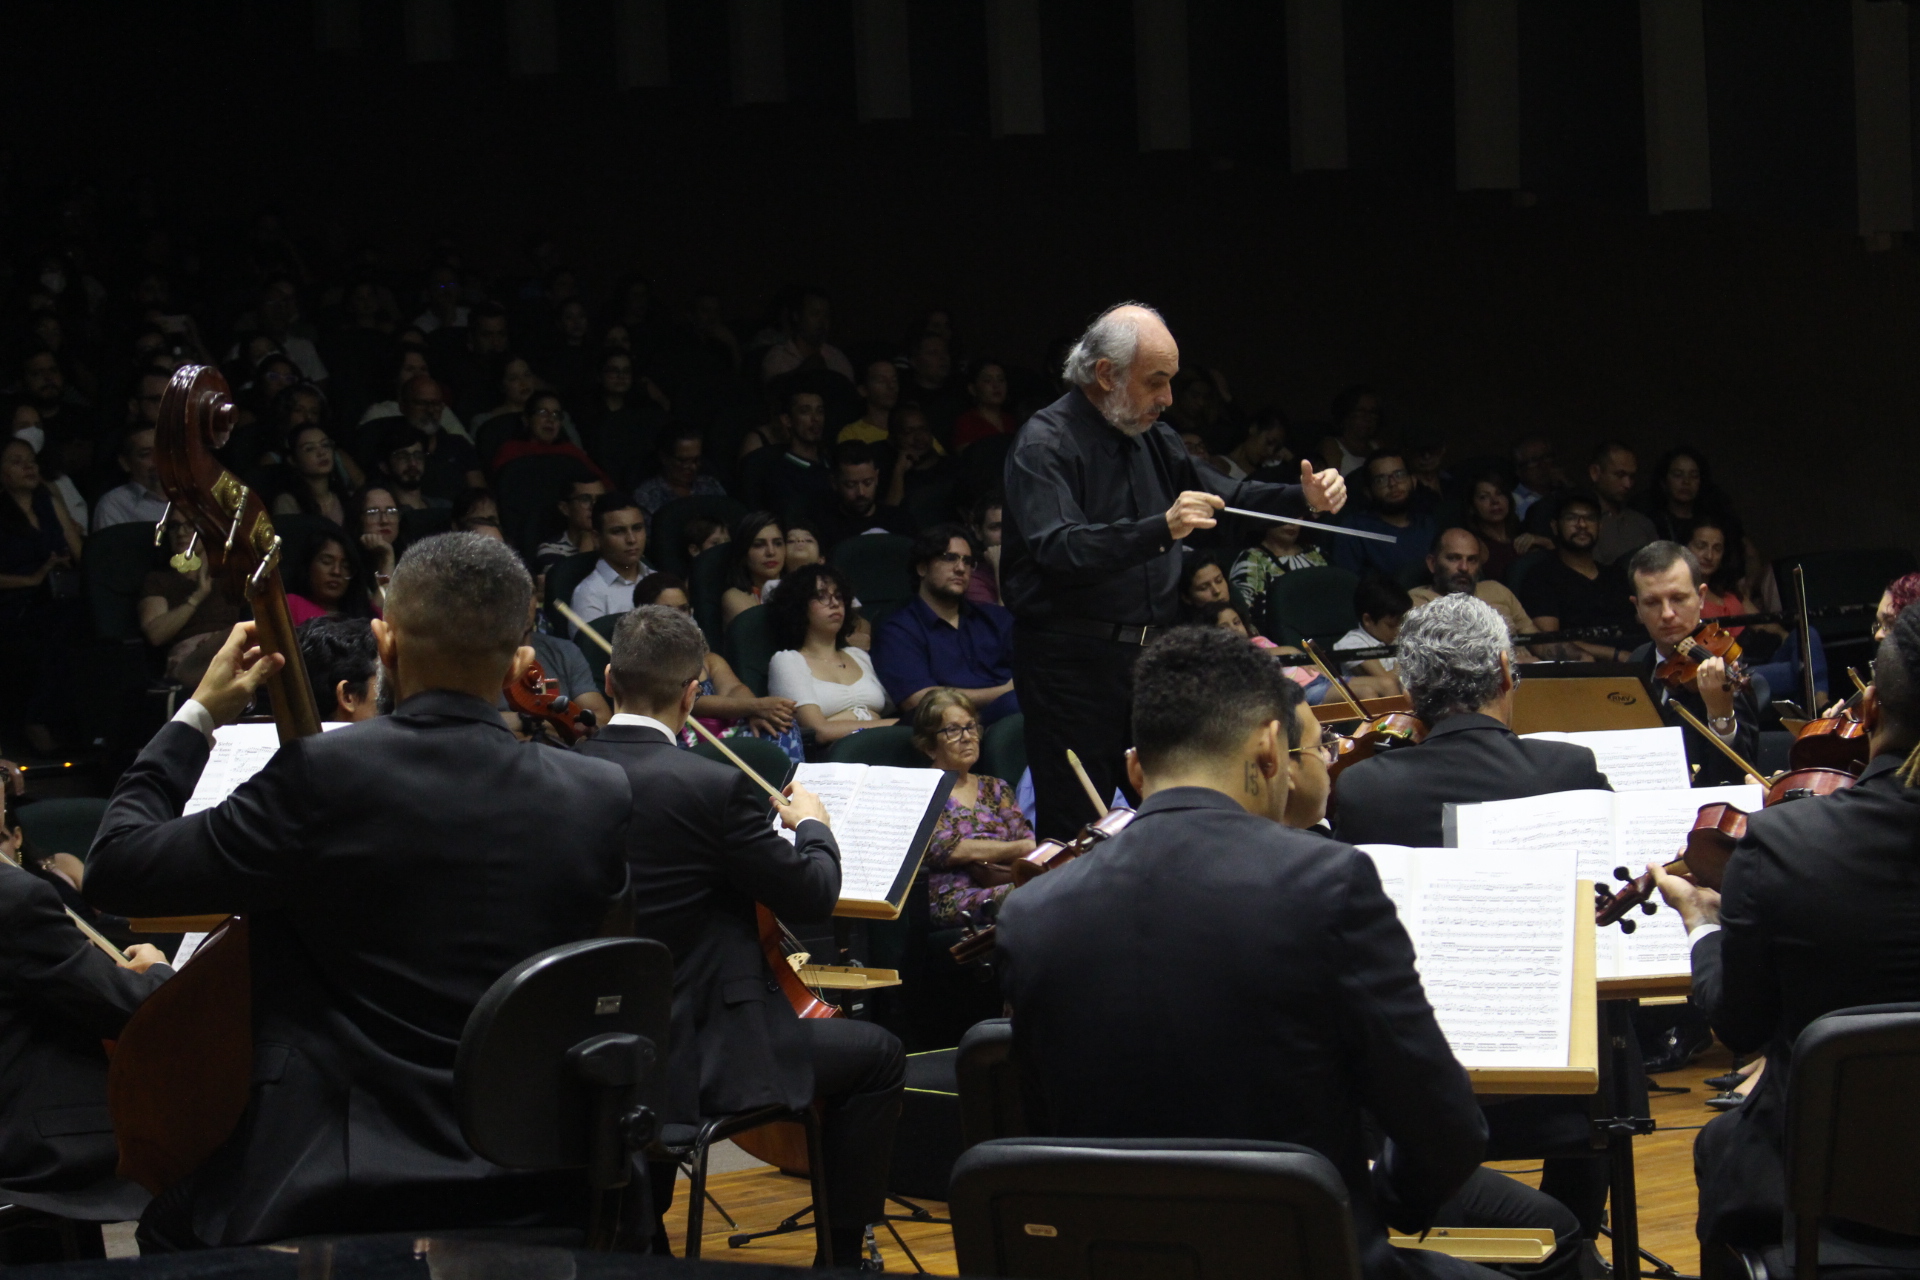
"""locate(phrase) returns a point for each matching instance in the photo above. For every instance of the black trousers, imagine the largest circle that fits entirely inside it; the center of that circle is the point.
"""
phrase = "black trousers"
(1492, 1199)
(1077, 693)
(859, 1070)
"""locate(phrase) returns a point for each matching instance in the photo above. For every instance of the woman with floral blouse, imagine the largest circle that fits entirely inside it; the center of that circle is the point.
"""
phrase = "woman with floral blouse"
(981, 829)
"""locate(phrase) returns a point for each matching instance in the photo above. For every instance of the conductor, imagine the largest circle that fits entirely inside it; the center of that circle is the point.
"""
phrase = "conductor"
(1099, 495)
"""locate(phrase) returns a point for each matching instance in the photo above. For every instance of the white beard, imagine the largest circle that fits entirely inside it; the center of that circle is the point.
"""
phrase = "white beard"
(1123, 419)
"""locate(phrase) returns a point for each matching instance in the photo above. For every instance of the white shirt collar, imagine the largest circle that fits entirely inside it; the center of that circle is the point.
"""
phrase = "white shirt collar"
(609, 575)
(642, 722)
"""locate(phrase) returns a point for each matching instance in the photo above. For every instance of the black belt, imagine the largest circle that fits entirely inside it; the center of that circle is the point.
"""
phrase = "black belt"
(1114, 631)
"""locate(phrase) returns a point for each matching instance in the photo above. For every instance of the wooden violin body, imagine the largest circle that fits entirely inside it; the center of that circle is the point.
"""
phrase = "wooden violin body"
(1711, 640)
(1832, 742)
(182, 1068)
(535, 696)
(1047, 856)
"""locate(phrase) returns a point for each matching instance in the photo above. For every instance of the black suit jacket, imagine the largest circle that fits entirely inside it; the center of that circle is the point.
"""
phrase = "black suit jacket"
(1715, 769)
(391, 871)
(1397, 797)
(1209, 974)
(1820, 911)
(60, 996)
(702, 852)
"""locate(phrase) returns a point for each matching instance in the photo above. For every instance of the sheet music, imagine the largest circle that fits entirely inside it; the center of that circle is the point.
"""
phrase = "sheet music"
(876, 812)
(189, 943)
(239, 752)
(1653, 827)
(835, 784)
(1493, 938)
(1634, 759)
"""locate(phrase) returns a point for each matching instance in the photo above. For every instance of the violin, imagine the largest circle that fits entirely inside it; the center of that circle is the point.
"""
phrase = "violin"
(1717, 828)
(1710, 640)
(1838, 741)
(535, 696)
(1049, 855)
(182, 1070)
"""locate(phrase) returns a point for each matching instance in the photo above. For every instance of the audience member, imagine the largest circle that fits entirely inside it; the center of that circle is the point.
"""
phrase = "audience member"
(830, 682)
(316, 488)
(1356, 430)
(805, 318)
(919, 463)
(452, 461)
(343, 667)
(726, 704)
(1282, 548)
(617, 423)
(1264, 444)
(702, 532)
(577, 510)
(517, 383)
(40, 546)
(403, 468)
(378, 514)
(472, 360)
(879, 390)
(680, 474)
(140, 500)
(477, 511)
(800, 474)
(930, 364)
(408, 361)
(988, 416)
(1381, 605)
(1202, 582)
(277, 316)
(1900, 593)
(1624, 529)
(183, 611)
(980, 828)
(1455, 562)
(1426, 456)
(68, 425)
(326, 577)
(940, 639)
(1682, 493)
(986, 522)
(1390, 510)
(804, 546)
(854, 507)
(1573, 590)
(24, 424)
(1537, 473)
(1491, 516)
(1720, 565)
(538, 435)
(757, 558)
(620, 536)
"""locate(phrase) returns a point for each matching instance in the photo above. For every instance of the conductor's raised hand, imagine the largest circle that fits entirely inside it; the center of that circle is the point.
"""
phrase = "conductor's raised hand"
(1325, 490)
(1192, 510)
(801, 804)
(235, 675)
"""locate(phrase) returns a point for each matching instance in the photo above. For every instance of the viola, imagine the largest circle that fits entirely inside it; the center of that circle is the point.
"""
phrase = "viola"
(535, 696)
(1047, 856)
(1838, 741)
(1709, 640)
(1717, 828)
(182, 1068)
(1383, 733)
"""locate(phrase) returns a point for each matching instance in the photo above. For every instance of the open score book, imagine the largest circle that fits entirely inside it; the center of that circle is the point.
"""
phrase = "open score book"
(883, 817)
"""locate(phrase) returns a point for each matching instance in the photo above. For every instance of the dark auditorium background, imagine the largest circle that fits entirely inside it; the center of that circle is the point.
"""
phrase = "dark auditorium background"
(1775, 327)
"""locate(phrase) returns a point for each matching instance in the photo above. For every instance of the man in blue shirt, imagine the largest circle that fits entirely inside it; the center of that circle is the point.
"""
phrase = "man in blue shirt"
(940, 638)
(1390, 510)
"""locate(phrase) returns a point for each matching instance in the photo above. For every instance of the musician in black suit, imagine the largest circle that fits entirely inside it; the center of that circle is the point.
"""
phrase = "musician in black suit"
(60, 996)
(391, 871)
(1456, 663)
(1278, 982)
(1668, 588)
(1815, 914)
(702, 853)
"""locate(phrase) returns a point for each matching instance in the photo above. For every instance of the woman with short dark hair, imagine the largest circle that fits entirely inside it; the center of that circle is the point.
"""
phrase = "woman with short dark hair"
(830, 682)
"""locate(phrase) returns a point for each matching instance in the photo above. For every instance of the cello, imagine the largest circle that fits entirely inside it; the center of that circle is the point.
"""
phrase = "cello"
(183, 1067)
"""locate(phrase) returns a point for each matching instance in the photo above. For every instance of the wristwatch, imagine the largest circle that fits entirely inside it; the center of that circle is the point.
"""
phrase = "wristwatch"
(1723, 724)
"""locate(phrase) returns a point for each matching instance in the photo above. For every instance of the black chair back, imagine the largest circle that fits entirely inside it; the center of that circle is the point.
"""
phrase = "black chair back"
(1853, 1138)
(991, 1104)
(522, 1103)
(1082, 1207)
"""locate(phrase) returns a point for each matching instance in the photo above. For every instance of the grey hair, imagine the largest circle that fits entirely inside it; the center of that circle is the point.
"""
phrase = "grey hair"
(462, 591)
(657, 652)
(1109, 337)
(1450, 650)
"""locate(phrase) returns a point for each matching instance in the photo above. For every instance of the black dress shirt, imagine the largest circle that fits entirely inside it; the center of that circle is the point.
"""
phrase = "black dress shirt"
(1086, 517)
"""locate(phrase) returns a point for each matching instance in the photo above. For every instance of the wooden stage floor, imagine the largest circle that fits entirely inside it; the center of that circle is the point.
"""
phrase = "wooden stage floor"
(759, 1198)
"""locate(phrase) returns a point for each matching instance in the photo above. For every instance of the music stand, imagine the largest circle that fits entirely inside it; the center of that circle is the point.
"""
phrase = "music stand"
(1573, 697)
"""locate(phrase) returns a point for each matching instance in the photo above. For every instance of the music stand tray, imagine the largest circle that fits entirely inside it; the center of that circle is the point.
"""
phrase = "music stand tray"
(1582, 696)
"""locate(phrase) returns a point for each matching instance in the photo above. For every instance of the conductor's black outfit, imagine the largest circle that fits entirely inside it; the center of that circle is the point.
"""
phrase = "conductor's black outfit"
(702, 853)
(390, 872)
(1092, 573)
(1209, 974)
(60, 996)
(1820, 910)
(1715, 769)
(1398, 797)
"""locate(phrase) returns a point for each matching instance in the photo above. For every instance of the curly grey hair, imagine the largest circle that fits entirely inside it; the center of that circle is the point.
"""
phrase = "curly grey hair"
(1450, 650)
(1109, 337)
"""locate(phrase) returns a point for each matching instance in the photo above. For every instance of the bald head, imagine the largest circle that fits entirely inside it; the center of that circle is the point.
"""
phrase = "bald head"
(1124, 363)
(423, 401)
(1455, 561)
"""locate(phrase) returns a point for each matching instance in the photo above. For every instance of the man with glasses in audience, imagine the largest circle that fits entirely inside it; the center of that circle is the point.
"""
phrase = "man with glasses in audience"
(941, 638)
(1390, 510)
(577, 510)
(403, 467)
(1573, 589)
(680, 474)
(450, 462)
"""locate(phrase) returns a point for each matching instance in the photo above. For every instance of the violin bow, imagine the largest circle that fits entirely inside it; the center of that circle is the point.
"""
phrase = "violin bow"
(99, 939)
(1313, 651)
(712, 739)
(1859, 685)
(1745, 767)
(1080, 772)
(1806, 638)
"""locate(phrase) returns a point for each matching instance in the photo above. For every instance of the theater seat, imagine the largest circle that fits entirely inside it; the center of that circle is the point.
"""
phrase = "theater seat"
(891, 744)
(1314, 603)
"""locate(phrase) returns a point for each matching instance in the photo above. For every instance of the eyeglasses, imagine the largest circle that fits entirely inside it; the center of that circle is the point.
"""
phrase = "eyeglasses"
(957, 732)
(546, 413)
(828, 598)
(1328, 748)
(1389, 477)
(956, 557)
(377, 512)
